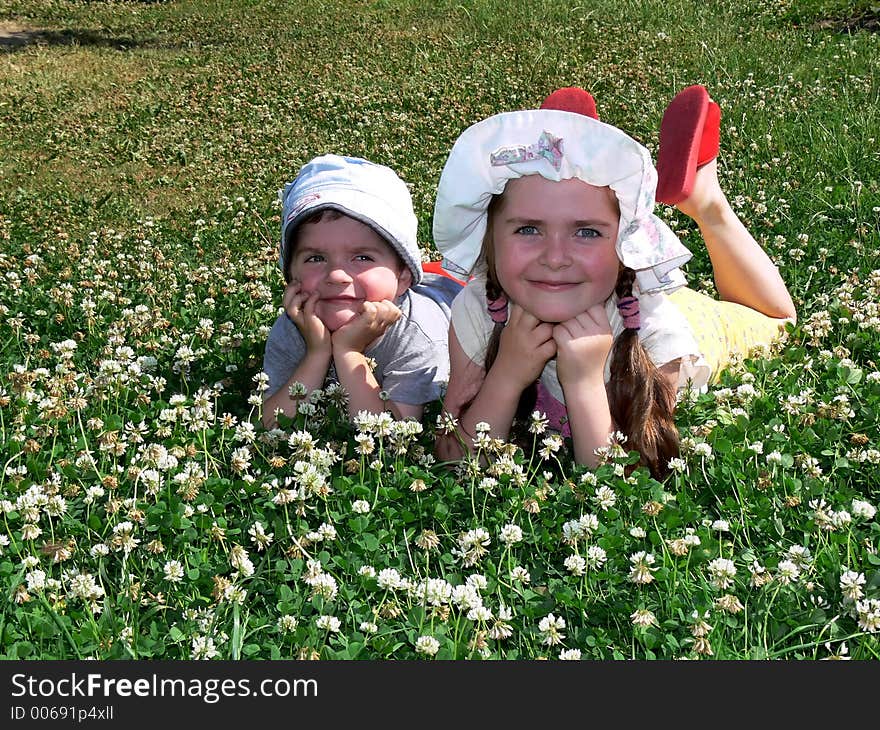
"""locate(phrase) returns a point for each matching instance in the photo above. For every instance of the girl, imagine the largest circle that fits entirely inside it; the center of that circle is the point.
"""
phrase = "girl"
(577, 306)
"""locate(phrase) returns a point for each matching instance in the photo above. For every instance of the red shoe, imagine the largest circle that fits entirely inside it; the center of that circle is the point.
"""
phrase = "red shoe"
(571, 99)
(436, 267)
(689, 138)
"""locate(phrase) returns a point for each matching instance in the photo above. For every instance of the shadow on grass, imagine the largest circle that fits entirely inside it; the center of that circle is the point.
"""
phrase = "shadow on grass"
(867, 19)
(13, 38)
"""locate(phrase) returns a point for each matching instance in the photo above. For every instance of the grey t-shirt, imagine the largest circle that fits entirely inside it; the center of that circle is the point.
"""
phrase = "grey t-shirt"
(412, 357)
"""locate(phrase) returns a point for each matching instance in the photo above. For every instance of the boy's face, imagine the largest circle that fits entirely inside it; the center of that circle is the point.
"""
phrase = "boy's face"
(347, 263)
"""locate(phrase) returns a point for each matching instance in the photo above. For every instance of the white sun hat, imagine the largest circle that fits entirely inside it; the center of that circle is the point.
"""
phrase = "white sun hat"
(366, 191)
(558, 145)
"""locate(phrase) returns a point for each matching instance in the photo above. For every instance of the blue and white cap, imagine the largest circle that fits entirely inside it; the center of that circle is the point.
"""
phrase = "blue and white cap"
(368, 192)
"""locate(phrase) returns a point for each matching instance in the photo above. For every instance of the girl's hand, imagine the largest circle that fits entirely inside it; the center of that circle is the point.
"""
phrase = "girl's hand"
(374, 319)
(582, 346)
(300, 307)
(525, 348)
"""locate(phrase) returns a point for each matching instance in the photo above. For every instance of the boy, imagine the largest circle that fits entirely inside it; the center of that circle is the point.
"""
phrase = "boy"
(356, 292)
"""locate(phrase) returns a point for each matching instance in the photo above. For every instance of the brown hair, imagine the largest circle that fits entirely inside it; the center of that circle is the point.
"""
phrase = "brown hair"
(529, 396)
(641, 400)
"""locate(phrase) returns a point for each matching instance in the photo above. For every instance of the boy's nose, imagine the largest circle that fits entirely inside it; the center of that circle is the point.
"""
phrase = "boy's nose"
(338, 275)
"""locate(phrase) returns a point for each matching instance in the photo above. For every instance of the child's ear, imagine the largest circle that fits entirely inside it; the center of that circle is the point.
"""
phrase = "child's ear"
(404, 280)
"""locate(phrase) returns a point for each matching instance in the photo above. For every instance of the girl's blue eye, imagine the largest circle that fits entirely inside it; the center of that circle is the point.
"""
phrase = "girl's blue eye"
(527, 231)
(587, 233)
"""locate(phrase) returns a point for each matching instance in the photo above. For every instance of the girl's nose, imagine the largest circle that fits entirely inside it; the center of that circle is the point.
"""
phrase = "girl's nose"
(555, 253)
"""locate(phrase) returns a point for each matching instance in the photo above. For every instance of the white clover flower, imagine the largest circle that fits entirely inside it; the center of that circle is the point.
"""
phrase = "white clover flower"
(368, 627)
(589, 478)
(519, 574)
(260, 537)
(287, 624)
(787, 572)
(774, 457)
(596, 556)
(511, 534)
(239, 559)
(360, 506)
(427, 645)
(389, 579)
(435, 591)
(173, 571)
(722, 572)
(643, 617)
(36, 580)
(479, 613)
(570, 655)
(324, 585)
(466, 597)
(329, 623)
(605, 498)
(863, 510)
(575, 564)
(851, 585)
(551, 627)
(477, 581)
(641, 570)
(703, 449)
(868, 613)
(203, 648)
(757, 447)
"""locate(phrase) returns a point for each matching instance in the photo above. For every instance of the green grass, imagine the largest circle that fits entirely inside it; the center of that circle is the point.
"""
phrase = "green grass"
(143, 145)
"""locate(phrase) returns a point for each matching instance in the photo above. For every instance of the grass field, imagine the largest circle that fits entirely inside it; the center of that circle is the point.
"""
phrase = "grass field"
(145, 514)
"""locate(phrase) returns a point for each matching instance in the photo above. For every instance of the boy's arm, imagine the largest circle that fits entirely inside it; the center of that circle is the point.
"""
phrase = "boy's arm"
(355, 375)
(311, 372)
(312, 369)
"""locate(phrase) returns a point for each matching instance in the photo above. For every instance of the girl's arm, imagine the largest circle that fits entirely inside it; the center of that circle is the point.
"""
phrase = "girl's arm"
(525, 346)
(582, 345)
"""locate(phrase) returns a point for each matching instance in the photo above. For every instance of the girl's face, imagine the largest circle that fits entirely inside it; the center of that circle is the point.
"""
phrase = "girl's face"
(347, 263)
(554, 245)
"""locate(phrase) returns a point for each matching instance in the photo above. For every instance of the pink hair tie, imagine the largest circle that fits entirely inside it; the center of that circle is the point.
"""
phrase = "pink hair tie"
(629, 311)
(498, 309)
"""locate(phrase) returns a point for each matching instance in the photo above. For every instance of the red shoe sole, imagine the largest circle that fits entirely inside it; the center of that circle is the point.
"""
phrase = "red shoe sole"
(571, 99)
(435, 267)
(689, 138)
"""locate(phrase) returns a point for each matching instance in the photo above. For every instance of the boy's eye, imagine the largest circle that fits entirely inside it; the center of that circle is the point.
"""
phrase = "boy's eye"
(313, 258)
(527, 231)
(363, 257)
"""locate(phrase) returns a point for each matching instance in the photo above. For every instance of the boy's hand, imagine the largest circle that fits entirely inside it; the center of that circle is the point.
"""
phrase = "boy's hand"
(300, 307)
(525, 347)
(356, 335)
(582, 346)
